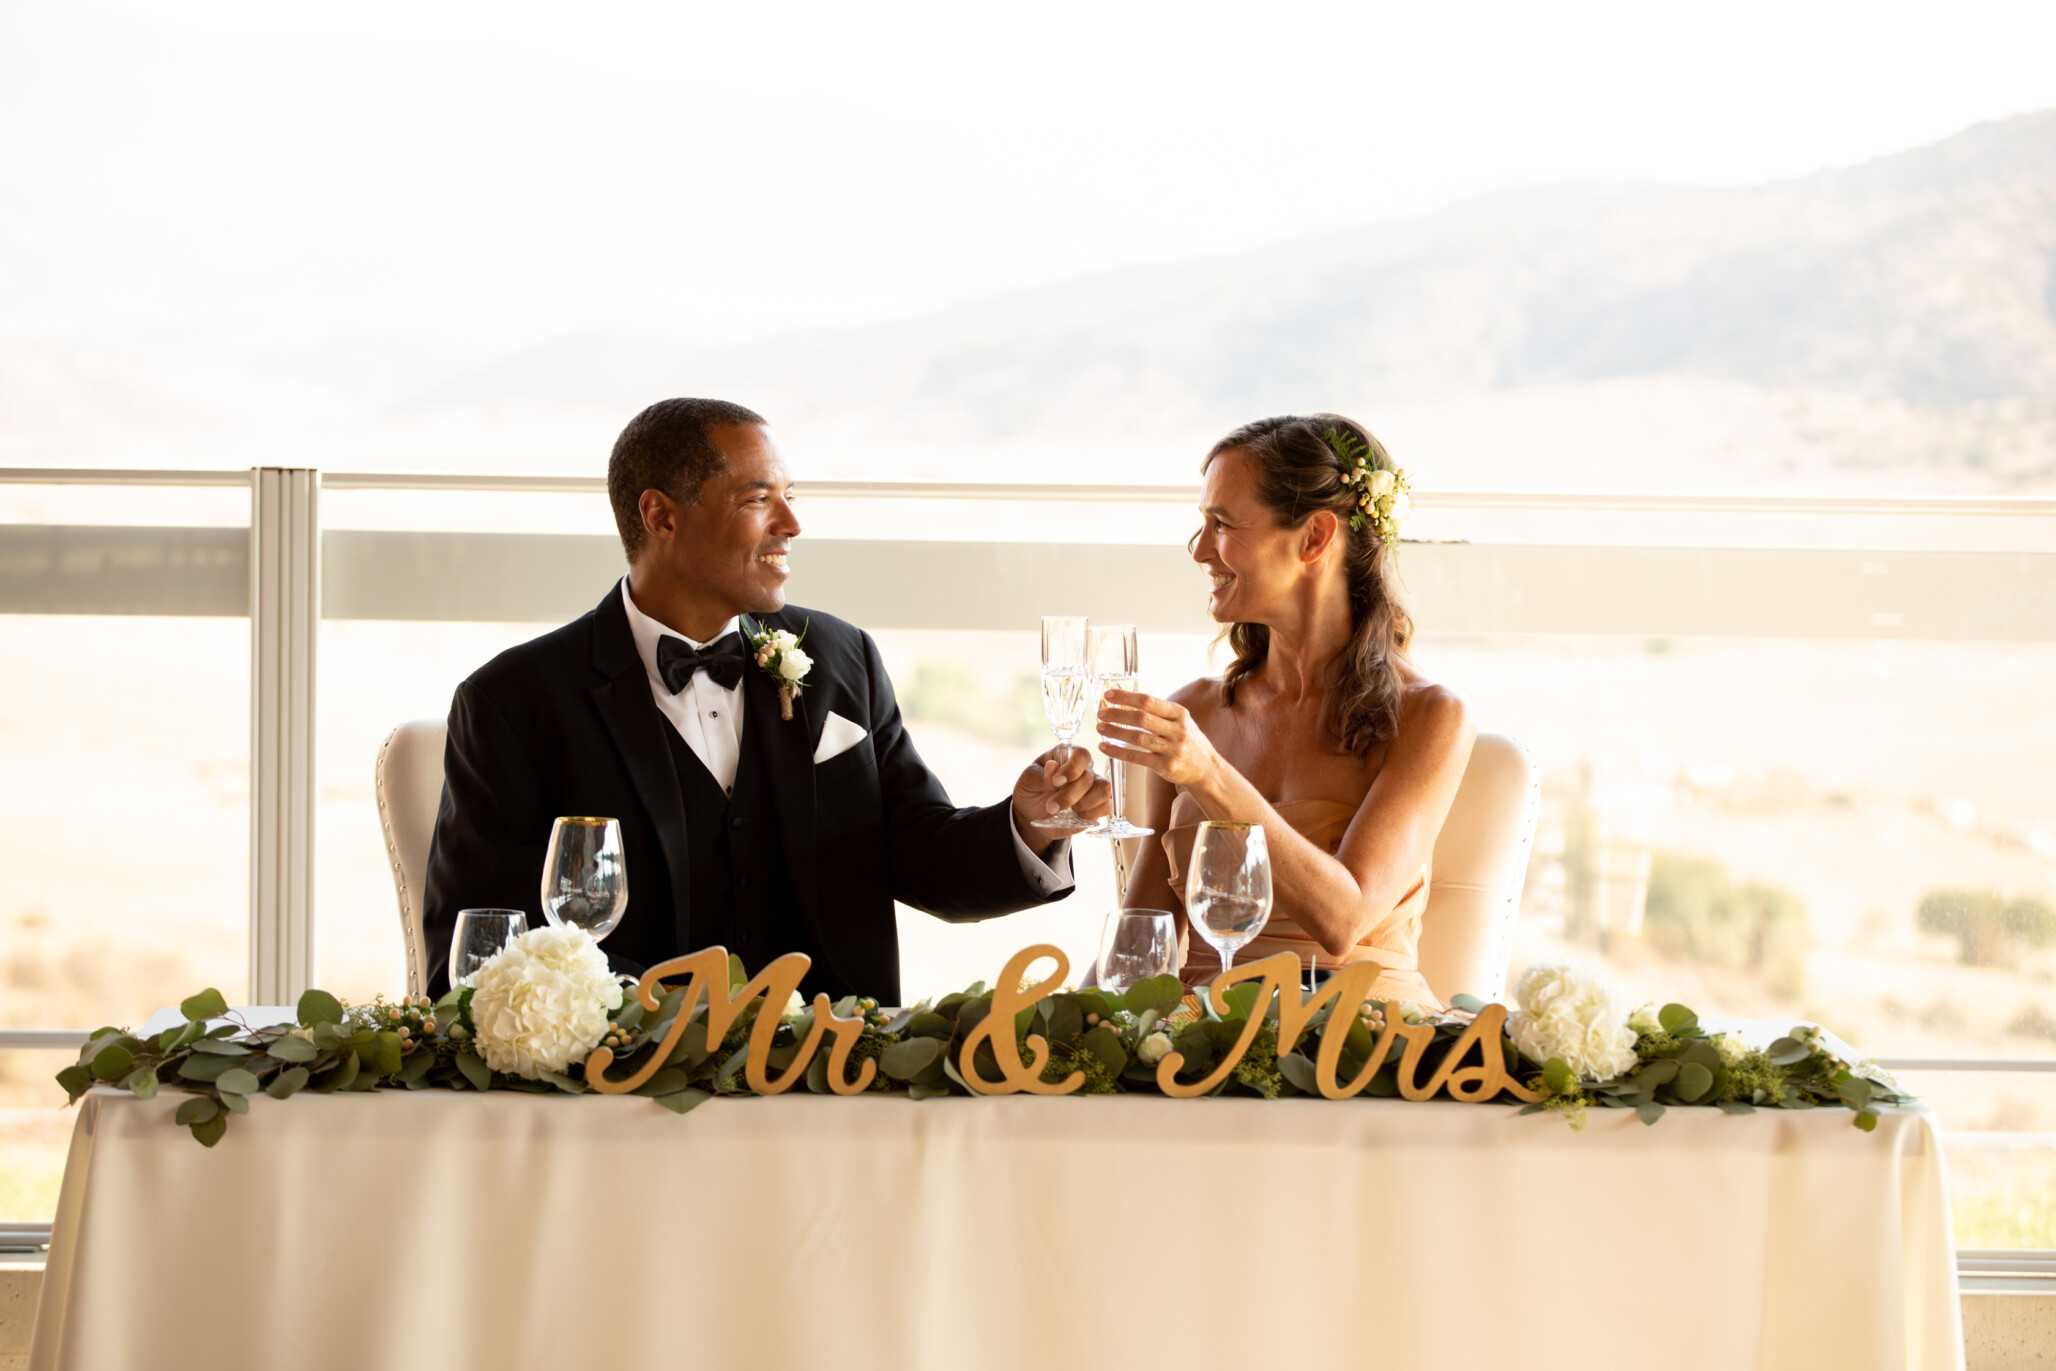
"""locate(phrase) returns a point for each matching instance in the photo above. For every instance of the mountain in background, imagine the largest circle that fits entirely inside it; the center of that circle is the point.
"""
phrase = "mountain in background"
(1886, 327)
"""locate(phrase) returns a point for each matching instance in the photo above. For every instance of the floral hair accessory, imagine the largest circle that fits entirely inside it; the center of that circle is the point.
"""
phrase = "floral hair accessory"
(778, 652)
(1382, 497)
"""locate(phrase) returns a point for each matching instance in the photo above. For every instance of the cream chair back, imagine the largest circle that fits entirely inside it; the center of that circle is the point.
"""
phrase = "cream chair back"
(1480, 865)
(410, 788)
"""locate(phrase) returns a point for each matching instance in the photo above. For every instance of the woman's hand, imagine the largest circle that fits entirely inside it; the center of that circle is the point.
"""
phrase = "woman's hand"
(1158, 734)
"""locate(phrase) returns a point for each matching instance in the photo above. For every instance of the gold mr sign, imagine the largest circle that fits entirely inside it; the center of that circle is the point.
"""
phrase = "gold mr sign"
(706, 976)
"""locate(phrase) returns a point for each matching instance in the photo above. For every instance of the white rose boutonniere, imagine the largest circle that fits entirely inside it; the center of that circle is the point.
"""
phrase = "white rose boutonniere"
(778, 651)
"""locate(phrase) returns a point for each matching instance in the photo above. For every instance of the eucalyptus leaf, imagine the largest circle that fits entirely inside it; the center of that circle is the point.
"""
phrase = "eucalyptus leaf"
(1556, 1073)
(738, 975)
(292, 1049)
(691, 1047)
(817, 1074)
(199, 1068)
(1649, 1111)
(1677, 1020)
(113, 1062)
(319, 1007)
(1694, 1080)
(209, 1133)
(685, 1101)
(142, 1082)
(1469, 1004)
(668, 1081)
(236, 1080)
(1160, 993)
(221, 1047)
(381, 1055)
(1105, 1044)
(1530, 1109)
(342, 1077)
(199, 1109)
(927, 1024)
(234, 1102)
(414, 1071)
(1242, 1000)
(208, 1004)
(921, 1091)
(902, 1061)
(630, 1015)
(1066, 1019)
(474, 1070)
(1298, 1070)
(329, 1036)
(1866, 1119)
(76, 1081)
(172, 1039)
(1787, 1052)
(287, 1082)
(1736, 1107)
(569, 1085)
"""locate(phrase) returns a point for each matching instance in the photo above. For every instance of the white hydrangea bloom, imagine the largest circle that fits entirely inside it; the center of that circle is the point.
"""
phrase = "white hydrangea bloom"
(1731, 1048)
(542, 1004)
(1573, 1017)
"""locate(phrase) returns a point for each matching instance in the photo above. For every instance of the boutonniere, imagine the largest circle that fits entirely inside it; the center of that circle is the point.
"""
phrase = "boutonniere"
(778, 652)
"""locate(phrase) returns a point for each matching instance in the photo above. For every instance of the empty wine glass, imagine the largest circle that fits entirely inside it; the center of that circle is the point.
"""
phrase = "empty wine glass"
(1066, 681)
(1228, 889)
(481, 935)
(585, 875)
(1135, 945)
(1111, 653)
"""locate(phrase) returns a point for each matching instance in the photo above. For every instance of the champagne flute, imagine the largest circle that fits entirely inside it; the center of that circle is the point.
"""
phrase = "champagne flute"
(1228, 889)
(1135, 945)
(481, 935)
(1066, 680)
(585, 875)
(1113, 654)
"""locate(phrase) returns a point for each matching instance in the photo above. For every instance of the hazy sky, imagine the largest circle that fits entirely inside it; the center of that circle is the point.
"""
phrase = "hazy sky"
(253, 173)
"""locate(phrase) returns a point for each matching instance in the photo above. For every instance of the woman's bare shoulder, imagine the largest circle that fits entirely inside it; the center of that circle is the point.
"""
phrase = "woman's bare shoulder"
(1435, 714)
(1198, 697)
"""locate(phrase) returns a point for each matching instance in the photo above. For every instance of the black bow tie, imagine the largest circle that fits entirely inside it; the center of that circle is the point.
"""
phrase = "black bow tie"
(721, 659)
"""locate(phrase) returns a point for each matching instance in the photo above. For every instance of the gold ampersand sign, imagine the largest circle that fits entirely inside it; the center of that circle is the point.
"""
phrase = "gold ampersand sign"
(1473, 1071)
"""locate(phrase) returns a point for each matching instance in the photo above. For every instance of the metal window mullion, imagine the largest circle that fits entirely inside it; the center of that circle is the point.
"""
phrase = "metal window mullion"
(285, 588)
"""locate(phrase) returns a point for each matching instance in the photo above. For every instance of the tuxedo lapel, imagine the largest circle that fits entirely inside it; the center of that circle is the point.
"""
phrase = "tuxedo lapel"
(786, 747)
(631, 718)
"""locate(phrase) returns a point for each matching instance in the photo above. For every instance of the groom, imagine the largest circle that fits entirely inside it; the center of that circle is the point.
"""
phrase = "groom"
(741, 827)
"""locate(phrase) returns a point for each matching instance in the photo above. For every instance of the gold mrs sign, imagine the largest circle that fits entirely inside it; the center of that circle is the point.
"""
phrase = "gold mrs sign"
(706, 974)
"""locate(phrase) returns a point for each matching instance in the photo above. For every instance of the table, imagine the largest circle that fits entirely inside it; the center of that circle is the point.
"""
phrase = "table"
(454, 1230)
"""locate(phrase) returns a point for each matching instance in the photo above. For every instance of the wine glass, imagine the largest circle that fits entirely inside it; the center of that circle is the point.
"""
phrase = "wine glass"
(1066, 680)
(585, 876)
(482, 934)
(1135, 945)
(1111, 653)
(1228, 889)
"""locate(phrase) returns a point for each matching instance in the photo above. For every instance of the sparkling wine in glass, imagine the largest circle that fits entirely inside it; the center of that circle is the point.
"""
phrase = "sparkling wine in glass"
(1066, 685)
(481, 935)
(1228, 889)
(1135, 945)
(585, 875)
(1111, 652)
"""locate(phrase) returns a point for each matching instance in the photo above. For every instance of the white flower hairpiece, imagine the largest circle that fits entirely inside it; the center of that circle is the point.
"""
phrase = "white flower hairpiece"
(1382, 492)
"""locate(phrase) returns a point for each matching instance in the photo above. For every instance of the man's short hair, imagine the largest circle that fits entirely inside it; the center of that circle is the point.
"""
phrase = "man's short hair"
(667, 447)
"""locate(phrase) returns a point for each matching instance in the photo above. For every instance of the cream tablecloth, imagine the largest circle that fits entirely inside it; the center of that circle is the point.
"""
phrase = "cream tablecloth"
(450, 1231)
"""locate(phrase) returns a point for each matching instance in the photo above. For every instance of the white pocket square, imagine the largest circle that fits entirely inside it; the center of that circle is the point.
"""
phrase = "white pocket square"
(838, 735)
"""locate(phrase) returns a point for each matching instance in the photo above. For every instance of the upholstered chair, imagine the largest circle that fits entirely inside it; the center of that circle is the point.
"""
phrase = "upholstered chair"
(410, 787)
(1480, 864)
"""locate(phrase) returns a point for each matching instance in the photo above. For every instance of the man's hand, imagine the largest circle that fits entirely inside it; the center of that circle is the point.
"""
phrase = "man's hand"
(1059, 777)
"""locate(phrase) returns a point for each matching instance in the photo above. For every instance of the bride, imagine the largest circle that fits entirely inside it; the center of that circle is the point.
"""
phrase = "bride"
(1321, 730)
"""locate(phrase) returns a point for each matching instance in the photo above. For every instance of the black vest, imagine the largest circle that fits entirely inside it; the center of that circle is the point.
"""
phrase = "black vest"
(738, 888)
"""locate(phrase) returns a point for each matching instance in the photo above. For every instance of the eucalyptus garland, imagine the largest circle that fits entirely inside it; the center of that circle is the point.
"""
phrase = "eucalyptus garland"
(1114, 1039)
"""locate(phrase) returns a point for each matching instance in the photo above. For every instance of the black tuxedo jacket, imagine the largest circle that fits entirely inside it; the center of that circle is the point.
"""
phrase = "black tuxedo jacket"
(564, 724)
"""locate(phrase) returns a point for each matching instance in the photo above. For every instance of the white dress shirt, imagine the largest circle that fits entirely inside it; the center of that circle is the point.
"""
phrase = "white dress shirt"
(709, 718)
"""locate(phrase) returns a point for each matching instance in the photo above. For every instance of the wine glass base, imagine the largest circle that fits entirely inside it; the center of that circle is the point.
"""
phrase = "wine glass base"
(1117, 828)
(1067, 821)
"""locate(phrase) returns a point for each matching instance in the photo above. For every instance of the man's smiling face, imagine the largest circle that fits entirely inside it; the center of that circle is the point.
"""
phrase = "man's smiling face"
(730, 545)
